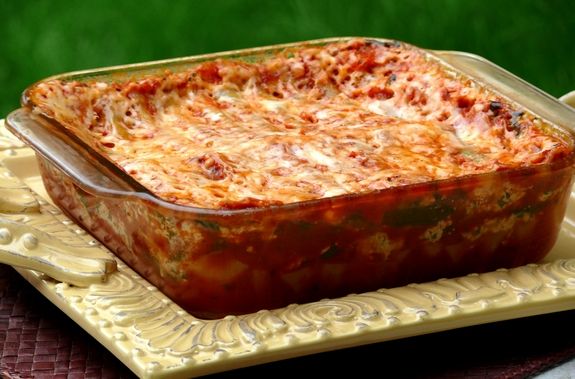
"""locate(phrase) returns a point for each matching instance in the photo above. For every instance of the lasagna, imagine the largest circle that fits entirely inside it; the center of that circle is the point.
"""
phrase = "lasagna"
(301, 124)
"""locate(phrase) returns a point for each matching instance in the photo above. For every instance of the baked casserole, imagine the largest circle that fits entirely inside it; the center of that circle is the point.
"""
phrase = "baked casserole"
(307, 171)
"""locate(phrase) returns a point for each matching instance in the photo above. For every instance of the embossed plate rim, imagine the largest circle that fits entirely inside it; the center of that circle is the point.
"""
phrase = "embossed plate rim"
(157, 339)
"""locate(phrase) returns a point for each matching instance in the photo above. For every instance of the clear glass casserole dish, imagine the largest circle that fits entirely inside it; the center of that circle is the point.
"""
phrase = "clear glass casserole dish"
(218, 261)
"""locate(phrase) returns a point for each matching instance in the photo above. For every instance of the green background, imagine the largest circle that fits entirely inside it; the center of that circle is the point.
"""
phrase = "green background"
(533, 39)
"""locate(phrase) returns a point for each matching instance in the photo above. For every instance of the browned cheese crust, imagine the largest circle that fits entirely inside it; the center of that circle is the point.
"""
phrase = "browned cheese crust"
(306, 123)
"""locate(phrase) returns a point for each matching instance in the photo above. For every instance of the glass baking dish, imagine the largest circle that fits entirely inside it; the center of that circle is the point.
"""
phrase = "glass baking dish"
(215, 262)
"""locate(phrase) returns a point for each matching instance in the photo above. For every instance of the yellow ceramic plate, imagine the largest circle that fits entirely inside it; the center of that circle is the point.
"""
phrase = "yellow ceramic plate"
(157, 339)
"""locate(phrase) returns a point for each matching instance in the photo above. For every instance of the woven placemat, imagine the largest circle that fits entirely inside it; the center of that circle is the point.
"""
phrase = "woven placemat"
(37, 340)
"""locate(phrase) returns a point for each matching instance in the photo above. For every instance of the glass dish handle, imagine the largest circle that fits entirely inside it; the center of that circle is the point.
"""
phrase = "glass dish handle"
(513, 87)
(59, 150)
(569, 99)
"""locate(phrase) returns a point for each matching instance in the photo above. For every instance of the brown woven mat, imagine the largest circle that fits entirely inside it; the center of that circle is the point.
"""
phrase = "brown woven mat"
(38, 340)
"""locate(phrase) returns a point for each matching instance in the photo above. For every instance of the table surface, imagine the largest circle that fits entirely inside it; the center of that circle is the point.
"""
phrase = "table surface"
(38, 340)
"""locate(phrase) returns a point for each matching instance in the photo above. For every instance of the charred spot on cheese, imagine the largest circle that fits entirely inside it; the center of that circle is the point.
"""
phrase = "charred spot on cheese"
(515, 124)
(302, 124)
(495, 107)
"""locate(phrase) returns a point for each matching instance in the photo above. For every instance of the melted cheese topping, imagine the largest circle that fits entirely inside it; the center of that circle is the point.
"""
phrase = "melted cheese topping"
(307, 123)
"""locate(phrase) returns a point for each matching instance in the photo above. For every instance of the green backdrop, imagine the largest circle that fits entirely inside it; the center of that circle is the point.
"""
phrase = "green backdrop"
(533, 39)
